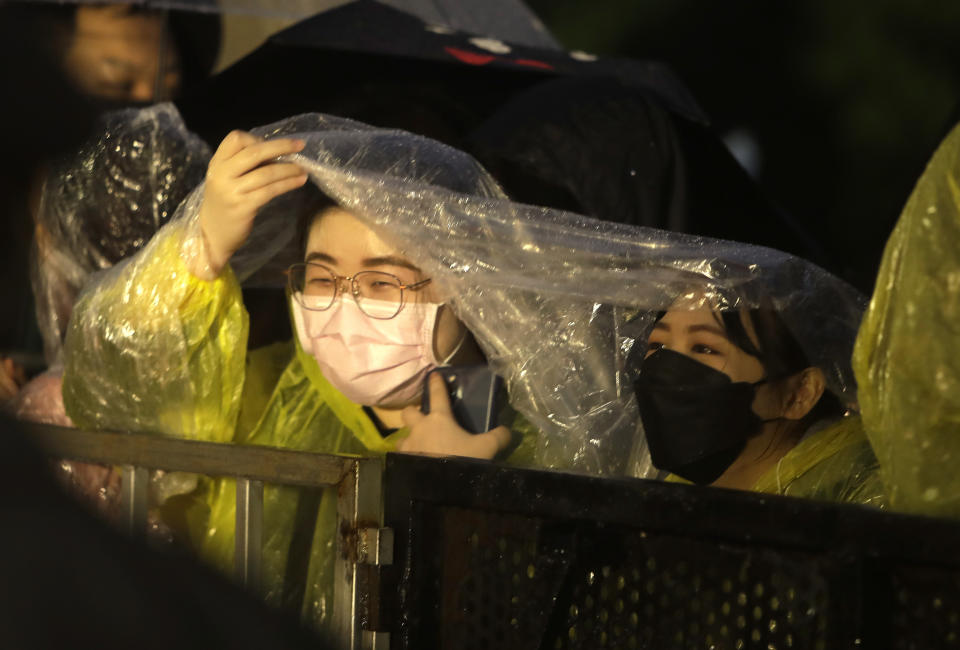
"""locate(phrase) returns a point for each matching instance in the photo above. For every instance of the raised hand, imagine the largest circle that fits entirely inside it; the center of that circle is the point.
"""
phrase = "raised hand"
(241, 180)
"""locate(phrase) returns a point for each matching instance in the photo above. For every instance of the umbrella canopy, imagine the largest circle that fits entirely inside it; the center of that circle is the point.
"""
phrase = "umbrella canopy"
(366, 57)
(620, 140)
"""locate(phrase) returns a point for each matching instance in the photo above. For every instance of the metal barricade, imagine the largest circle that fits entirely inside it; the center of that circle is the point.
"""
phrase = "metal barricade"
(361, 542)
(451, 553)
(497, 557)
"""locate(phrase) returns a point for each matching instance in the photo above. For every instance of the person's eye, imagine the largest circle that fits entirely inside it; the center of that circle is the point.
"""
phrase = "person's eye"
(701, 348)
(320, 282)
(653, 346)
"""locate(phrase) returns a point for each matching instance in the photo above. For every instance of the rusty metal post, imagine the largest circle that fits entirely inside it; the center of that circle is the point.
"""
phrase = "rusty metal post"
(361, 541)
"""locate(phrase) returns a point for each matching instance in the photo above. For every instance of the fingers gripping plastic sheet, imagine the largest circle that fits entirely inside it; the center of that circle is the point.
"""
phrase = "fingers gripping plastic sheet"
(906, 354)
(105, 202)
(555, 300)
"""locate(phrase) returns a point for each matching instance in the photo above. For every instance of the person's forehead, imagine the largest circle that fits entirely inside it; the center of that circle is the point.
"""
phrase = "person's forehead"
(116, 23)
(685, 318)
(132, 40)
(341, 235)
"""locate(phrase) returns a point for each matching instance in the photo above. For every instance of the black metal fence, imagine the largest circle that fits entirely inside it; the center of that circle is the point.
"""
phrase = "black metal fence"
(361, 542)
(494, 557)
(466, 554)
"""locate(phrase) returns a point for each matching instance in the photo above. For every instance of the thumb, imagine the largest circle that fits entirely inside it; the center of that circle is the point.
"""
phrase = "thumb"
(496, 440)
(502, 435)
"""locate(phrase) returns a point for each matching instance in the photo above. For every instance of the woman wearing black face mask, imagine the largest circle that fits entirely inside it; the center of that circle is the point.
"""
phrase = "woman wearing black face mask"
(729, 399)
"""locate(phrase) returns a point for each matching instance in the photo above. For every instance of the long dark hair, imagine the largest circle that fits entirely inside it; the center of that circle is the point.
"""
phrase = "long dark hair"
(779, 352)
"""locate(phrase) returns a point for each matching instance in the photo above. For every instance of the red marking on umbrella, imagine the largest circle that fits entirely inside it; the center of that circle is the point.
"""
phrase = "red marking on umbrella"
(533, 63)
(471, 58)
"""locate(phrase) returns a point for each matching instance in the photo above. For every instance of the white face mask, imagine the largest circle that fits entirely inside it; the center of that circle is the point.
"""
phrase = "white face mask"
(372, 362)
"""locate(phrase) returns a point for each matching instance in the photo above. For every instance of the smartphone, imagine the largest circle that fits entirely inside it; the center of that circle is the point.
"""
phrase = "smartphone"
(477, 396)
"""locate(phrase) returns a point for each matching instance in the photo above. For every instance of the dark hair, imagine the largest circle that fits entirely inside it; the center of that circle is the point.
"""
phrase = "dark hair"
(313, 201)
(779, 353)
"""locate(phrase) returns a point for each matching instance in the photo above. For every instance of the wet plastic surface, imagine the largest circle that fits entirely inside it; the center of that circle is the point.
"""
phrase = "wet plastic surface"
(105, 202)
(589, 290)
(906, 356)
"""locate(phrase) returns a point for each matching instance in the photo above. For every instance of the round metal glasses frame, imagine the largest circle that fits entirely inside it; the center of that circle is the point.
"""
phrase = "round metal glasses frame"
(297, 273)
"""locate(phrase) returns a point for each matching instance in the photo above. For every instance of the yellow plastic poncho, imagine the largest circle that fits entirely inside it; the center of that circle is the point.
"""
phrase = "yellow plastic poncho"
(907, 356)
(835, 464)
(902, 451)
(275, 396)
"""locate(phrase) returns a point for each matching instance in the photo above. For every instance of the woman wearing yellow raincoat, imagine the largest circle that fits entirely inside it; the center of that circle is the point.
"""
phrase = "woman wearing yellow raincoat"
(728, 398)
(756, 413)
(364, 313)
(906, 357)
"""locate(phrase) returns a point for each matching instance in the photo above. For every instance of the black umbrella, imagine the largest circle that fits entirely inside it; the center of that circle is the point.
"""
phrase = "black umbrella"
(367, 60)
(617, 139)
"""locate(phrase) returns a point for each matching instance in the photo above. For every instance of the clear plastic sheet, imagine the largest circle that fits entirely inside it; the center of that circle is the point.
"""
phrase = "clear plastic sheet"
(906, 357)
(105, 202)
(97, 207)
(555, 300)
(588, 289)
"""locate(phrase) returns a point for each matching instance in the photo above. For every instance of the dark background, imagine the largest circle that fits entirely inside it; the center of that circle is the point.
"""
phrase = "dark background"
(847, 99)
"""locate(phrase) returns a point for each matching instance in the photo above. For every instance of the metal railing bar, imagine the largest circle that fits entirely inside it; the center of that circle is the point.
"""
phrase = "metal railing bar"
(248, 535)
(259, 463)
(133, 498)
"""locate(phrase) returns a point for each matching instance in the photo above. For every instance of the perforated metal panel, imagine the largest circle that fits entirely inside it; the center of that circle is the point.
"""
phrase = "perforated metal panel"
(926, 613)
(495, 581)
(638, 590)
(504, 558)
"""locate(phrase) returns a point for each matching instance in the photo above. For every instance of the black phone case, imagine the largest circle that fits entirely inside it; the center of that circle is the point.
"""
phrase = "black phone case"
(477, 396)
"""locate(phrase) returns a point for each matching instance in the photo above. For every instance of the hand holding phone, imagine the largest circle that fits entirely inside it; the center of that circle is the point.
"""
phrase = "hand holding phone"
(477, 396)
(439, 433)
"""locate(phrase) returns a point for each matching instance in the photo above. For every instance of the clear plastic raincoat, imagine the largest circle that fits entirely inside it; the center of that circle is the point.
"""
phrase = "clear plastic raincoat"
(105, 202)
(556, 302)
(97, 206)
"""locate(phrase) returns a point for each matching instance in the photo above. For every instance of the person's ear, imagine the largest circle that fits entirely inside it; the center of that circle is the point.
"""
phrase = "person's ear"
(806, 389)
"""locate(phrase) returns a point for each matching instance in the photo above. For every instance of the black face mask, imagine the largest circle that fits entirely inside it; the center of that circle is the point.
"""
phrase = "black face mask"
(697, 420)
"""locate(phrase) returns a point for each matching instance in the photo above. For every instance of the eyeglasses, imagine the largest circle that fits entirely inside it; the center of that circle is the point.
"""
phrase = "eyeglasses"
(378, 294)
